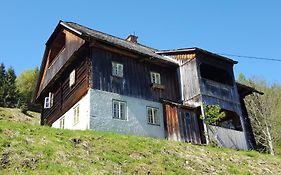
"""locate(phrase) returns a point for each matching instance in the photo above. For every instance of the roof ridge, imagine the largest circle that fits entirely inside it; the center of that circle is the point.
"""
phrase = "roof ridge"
(148, 47)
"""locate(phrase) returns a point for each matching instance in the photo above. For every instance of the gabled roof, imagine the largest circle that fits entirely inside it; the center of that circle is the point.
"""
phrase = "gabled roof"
(90, 34)
(198, 50)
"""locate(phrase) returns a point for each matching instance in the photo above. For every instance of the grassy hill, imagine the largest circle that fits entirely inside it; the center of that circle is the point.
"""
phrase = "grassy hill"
(27, 148)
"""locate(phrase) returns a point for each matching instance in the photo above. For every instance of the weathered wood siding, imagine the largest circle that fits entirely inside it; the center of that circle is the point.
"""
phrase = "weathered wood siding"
(171, 122)
(181, 124)
(228, 138)
(72, 44)
(189, 80)
(189, 128)
(136, 76)
(64, 95)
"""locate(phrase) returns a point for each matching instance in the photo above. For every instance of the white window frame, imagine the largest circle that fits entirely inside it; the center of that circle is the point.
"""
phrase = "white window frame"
(72, 78)
(155, 77)
(49, 101)
(62, 122)
(76, 114)
(119, 109)
(153, 115)
(117, 69)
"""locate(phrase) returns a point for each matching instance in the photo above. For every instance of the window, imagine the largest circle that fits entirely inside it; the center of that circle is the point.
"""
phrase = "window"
(49, 101)
(62, 123)
(117, 69)
(155, 78)
(76, 115)
(72, 78)
(119, 109)
(153, 116)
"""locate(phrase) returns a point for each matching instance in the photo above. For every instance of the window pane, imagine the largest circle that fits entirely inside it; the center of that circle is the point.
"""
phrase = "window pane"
(149, 115)
(158, 78)
(122, 110)
(156, 118)
(120, 70)
(115, 110)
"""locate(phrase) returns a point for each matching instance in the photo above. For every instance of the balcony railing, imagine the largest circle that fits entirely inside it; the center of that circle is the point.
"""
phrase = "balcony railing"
(227, 137)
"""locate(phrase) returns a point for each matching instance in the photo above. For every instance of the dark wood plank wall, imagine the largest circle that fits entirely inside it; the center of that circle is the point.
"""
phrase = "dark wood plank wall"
(189, 126)
(64, 95)
(136, 81)
(181, 127)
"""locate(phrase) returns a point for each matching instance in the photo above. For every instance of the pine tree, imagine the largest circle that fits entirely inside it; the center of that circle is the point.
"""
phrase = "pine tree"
(2, 82)
(10, 91)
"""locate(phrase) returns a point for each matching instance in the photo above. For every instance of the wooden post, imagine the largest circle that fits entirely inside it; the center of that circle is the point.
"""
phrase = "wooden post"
(206, 133)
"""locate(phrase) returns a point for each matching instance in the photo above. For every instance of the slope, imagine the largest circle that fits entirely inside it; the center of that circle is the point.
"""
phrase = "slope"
(32, 149)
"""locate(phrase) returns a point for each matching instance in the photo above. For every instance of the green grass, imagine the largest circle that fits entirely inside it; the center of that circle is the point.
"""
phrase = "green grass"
(32, 149)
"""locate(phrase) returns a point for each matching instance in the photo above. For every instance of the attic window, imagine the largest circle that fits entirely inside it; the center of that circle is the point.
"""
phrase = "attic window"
(215, 74)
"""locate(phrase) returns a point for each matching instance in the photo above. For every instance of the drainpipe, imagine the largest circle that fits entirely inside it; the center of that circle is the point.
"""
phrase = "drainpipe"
(206, 133)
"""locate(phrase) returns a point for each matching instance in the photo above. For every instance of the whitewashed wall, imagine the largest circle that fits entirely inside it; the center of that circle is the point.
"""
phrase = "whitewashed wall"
(136, 123)
(84, 117)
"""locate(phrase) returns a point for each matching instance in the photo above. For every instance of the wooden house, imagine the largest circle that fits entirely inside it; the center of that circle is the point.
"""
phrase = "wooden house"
(92, 80)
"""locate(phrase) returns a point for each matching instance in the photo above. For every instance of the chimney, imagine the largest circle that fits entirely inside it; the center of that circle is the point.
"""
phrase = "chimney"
(132, 38)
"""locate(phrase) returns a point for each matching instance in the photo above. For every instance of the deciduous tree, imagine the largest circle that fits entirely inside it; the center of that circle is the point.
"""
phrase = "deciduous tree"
(264, 112)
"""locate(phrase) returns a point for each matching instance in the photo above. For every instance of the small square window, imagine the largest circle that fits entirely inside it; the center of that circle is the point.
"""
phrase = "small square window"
(119, 109)
(76, 115)
(117, 69)
(62, 121)
(72, 78)
(153, 116)
(155, 78)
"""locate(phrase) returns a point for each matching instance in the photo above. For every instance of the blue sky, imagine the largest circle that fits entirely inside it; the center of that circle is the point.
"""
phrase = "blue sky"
(251, 28)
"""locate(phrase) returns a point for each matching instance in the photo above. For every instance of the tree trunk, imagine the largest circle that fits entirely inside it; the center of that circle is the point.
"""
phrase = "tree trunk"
(269, 140)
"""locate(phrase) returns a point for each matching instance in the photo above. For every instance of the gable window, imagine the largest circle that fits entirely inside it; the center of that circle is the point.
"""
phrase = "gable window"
(155, 78)
(153, 116)
(119, 109)
(76, 115)
(62, 121)
(72, 78)
(117, 69)
(49, 101)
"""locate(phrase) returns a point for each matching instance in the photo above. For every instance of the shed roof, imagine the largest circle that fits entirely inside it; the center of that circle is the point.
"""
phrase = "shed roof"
(245, 90)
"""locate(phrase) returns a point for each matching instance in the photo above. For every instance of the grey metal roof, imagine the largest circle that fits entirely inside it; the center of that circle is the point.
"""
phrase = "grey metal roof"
(113, 40)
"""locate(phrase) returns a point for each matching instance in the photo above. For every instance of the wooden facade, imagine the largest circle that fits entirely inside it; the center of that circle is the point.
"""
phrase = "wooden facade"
(136, 80)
